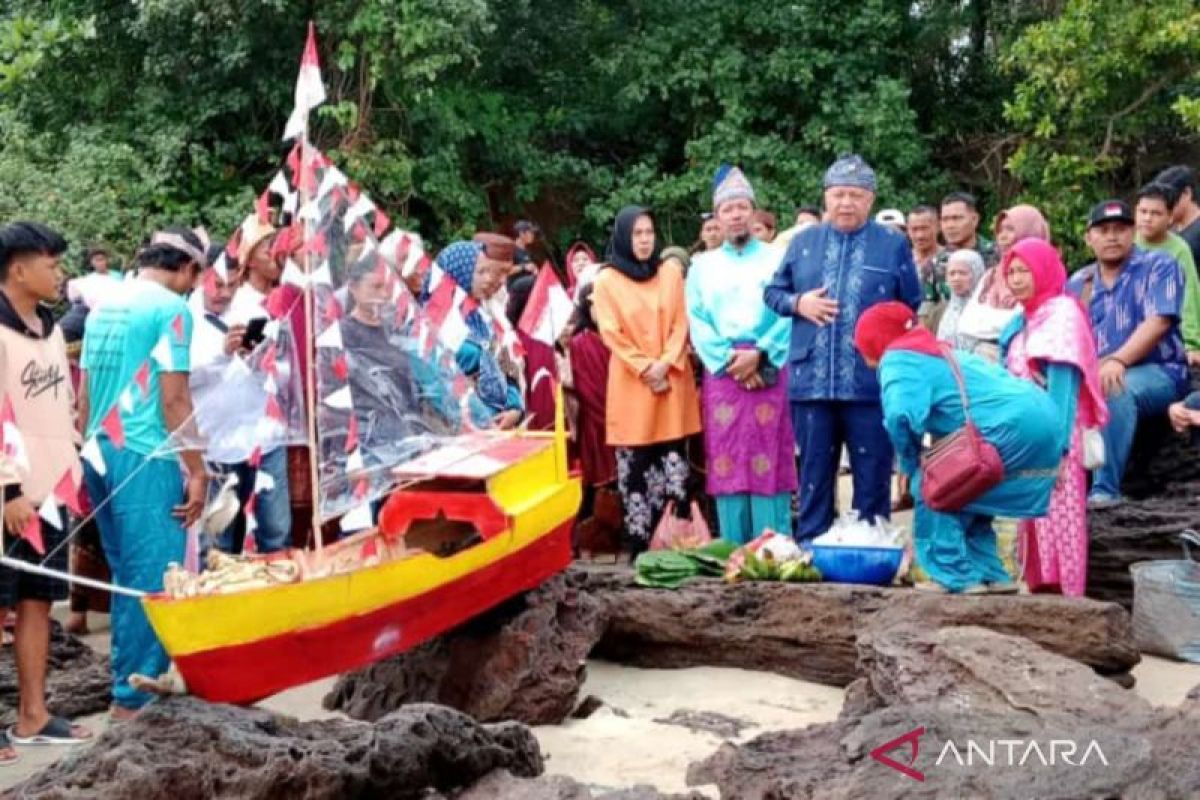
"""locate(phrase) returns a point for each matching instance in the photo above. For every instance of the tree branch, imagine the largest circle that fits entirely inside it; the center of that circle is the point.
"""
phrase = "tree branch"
(1141, 100)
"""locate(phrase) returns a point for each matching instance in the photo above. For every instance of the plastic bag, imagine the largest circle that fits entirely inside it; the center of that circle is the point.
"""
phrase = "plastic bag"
(850, 531)
(674, 533)
(1166, 604)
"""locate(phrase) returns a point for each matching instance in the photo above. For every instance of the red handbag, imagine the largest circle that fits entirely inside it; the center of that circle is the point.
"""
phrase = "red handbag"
(961, 466)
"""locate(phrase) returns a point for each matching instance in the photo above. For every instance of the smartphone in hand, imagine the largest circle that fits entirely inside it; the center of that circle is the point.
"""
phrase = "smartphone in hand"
(256, 331)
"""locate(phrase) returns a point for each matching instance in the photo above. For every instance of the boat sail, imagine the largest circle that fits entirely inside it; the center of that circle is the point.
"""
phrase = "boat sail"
(467, 517)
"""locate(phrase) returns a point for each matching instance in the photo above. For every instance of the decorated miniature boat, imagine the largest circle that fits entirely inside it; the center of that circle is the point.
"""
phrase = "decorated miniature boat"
(449, 520)
(514, 505)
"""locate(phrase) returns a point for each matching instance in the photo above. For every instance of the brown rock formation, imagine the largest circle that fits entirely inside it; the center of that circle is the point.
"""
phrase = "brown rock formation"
(523, 661)
(78, 683)
(950, 688)
(504, 786)
(1162, 487)
(810, 631)
(186, 748)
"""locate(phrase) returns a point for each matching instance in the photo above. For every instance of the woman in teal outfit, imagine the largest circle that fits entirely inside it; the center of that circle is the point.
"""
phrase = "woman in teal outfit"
(920, 396)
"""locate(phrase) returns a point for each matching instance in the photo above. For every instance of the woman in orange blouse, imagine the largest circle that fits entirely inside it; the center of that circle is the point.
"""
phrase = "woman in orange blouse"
(641, 312)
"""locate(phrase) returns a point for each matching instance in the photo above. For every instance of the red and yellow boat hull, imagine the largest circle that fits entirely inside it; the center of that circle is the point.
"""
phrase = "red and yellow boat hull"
(244, 646)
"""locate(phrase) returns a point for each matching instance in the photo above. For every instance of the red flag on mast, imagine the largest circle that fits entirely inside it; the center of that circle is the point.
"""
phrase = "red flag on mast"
(310, 89)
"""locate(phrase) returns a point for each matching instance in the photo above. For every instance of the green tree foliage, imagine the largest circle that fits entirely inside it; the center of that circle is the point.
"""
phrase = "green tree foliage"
(457, 114)
(1108, 91)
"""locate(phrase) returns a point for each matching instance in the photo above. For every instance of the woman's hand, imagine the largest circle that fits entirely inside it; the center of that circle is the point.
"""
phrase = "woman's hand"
(742, 365)
(655, 373)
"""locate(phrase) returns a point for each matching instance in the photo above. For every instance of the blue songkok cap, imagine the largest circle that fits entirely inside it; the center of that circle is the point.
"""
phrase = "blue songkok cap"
(850, 170)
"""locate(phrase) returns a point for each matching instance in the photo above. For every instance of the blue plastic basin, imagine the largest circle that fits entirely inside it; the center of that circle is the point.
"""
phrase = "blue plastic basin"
(872, 565)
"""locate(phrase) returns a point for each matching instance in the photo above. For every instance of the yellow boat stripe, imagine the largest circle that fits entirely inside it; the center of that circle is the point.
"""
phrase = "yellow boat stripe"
(202, 623)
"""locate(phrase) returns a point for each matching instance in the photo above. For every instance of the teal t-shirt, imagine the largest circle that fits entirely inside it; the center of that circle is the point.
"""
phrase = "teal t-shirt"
(146, 324)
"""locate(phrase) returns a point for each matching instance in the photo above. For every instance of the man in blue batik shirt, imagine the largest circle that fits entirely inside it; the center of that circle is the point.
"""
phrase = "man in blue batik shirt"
(831, 274)
(1133, 298)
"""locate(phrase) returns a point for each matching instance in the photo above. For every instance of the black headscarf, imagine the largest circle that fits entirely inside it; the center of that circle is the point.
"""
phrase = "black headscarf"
(620, 247)
(518, 297)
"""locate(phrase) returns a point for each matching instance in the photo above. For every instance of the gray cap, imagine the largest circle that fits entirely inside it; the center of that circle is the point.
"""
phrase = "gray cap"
(850, 170)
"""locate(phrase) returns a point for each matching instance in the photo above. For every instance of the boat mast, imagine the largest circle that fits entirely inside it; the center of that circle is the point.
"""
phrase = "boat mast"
(308, 194)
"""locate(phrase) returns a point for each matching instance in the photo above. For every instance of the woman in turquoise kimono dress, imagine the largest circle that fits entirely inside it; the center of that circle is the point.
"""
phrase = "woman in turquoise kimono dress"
(920, 396)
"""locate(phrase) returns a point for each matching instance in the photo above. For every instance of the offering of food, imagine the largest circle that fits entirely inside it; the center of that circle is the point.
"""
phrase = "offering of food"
(772, 557)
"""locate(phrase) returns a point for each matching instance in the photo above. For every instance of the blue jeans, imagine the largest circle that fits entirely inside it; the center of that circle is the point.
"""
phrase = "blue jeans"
(1149, 391)
(140, 538)
(272, 509)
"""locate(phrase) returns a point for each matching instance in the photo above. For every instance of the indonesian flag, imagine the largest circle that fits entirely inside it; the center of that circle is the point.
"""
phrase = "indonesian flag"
(454, 331)
(441, 298)
(549, 308)
(310, 90)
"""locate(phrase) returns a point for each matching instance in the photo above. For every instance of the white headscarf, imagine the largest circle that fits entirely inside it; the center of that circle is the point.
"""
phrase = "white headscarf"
(948, 328)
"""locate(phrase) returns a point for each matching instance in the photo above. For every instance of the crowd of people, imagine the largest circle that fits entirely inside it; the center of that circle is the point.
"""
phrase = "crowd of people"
(745, 373)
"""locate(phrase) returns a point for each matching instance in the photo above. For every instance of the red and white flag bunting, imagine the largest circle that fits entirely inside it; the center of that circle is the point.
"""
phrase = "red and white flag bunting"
(91, 454)
(332, 179)
(331, 337)
(293, 275)
(357, 519)
(33, 535)
(321, 275)
(50, 513)
(362, 206)
(162, 355)
(340, 399)
(67, 493)
(279, 185)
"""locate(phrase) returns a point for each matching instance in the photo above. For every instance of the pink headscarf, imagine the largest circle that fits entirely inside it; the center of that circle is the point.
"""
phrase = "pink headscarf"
(1056, 329)
(1049, 274)
(1029, 224)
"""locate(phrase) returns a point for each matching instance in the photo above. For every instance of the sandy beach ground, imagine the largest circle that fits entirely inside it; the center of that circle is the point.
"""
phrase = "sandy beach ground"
(633, 737)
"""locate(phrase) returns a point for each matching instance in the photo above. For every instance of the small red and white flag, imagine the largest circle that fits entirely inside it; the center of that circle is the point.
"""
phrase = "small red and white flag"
(310, 89)
(66, 491)
(33, 535)
(91, 454)
(112, 425)
(549, 308)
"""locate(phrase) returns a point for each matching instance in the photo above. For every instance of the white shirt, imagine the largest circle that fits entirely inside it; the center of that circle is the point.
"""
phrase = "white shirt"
(229, 396)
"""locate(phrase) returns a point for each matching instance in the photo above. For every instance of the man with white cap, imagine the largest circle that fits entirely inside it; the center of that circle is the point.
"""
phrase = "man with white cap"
(830, 275)
(743, 345)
